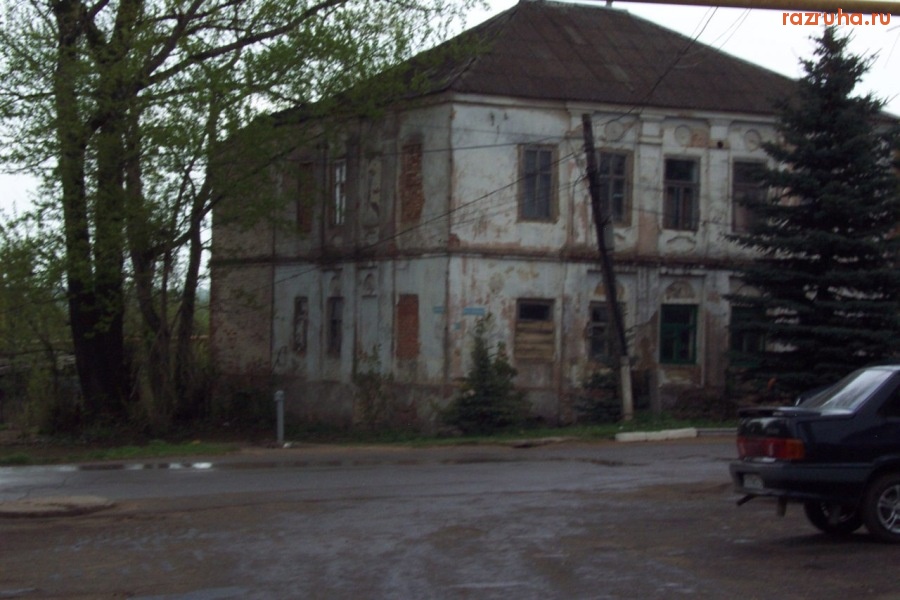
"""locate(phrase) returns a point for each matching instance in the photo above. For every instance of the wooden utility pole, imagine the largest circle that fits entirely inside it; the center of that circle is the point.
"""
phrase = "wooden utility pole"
(601, 221)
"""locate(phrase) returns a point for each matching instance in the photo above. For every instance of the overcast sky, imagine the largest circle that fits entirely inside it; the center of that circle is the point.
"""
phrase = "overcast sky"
(759, 36)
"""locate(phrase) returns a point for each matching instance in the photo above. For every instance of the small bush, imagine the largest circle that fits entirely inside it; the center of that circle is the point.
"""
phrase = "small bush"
(19, 459)
(704, 404)
(245, 407)
(488, 401)
(597, 401)
(373, 396)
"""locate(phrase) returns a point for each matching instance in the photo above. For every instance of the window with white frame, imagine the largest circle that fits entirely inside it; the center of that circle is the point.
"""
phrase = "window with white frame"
(536, 183)
(615, 184)
(681, 202)
(337, 209)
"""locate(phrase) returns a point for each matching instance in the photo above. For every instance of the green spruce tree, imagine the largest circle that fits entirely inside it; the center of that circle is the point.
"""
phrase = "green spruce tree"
(488, 400)
(827, 238)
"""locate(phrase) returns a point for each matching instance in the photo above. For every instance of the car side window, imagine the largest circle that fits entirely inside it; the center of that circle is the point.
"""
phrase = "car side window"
(891, 407)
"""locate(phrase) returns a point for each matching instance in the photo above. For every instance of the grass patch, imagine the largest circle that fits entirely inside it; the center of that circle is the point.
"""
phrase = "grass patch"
(586, 432)
(16, 459)
(160, 449)
(592, 432)
(61, 452)
(56, 454)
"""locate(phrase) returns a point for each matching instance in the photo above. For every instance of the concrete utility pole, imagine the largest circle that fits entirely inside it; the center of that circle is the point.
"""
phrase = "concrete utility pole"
(601, 221)
(601, 213)
(828, 6)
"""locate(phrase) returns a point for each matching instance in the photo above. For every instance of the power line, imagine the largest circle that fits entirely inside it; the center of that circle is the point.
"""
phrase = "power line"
(635, 108)
(538, 139)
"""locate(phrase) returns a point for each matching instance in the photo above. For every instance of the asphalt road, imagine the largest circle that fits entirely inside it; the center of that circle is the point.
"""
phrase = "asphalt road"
(649, 520)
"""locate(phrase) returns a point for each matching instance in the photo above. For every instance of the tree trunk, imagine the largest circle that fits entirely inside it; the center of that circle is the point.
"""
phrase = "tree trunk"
(73, 147)
(186, 373)
(93, 270)
(185, 359)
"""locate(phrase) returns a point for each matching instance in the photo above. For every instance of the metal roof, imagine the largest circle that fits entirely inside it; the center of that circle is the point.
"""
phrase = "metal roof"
(591, 53)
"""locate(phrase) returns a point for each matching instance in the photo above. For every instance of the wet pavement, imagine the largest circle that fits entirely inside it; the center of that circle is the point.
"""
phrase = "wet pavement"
(53, 506)
(651, 520)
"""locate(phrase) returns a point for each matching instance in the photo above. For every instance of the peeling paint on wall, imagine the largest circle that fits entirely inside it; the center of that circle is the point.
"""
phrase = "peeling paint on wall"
(463, 252)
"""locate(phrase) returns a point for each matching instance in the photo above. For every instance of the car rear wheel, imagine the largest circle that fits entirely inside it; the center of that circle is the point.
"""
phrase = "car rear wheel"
(822, 516)
(881, 509)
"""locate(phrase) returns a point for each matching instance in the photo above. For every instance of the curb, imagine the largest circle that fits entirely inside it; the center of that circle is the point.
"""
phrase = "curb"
(655, 436)
(57, 506)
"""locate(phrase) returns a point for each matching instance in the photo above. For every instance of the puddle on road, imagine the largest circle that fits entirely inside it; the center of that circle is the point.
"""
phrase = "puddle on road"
(222, 593)
(609, 463)
(176, 466)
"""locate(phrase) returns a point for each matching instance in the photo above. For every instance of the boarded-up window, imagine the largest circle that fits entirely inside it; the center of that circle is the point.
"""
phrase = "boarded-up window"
(408, 326)
(306, 197)
(412, 192)
(335, 326)
(301, 324)
(535, 334)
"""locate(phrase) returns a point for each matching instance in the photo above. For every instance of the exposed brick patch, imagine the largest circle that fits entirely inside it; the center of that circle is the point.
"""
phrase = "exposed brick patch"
(241, 318)
(412, 193)
(408, 326)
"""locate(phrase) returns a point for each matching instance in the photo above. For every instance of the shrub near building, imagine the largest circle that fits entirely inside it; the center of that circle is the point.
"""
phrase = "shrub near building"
(488, 400)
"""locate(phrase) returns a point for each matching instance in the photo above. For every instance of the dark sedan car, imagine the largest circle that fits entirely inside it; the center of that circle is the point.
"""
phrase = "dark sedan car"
(837, 452)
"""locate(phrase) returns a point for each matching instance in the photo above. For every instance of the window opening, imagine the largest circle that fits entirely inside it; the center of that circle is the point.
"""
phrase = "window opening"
(678, 334)
(682, 190)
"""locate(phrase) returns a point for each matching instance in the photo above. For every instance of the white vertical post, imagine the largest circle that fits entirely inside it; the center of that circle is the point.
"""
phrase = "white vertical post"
(625, 379)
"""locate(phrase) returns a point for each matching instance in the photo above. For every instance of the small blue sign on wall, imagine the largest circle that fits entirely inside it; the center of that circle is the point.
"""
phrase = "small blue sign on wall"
(474, 311)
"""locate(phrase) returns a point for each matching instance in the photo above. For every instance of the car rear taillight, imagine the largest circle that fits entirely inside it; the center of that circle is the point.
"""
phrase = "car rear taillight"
(777, 448)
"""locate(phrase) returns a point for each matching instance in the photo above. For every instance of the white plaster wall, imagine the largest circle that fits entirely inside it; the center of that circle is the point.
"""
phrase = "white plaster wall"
(486, 145)
(426, 277)
(370, 292)
(291, 282)
(430, 126)
(489, 260)
(486, 141)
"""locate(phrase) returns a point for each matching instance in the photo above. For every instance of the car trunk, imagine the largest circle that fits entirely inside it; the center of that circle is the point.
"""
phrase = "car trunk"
(772, 433)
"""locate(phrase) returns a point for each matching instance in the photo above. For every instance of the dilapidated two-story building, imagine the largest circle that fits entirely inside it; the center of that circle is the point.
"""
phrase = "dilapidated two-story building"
(468, 198)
